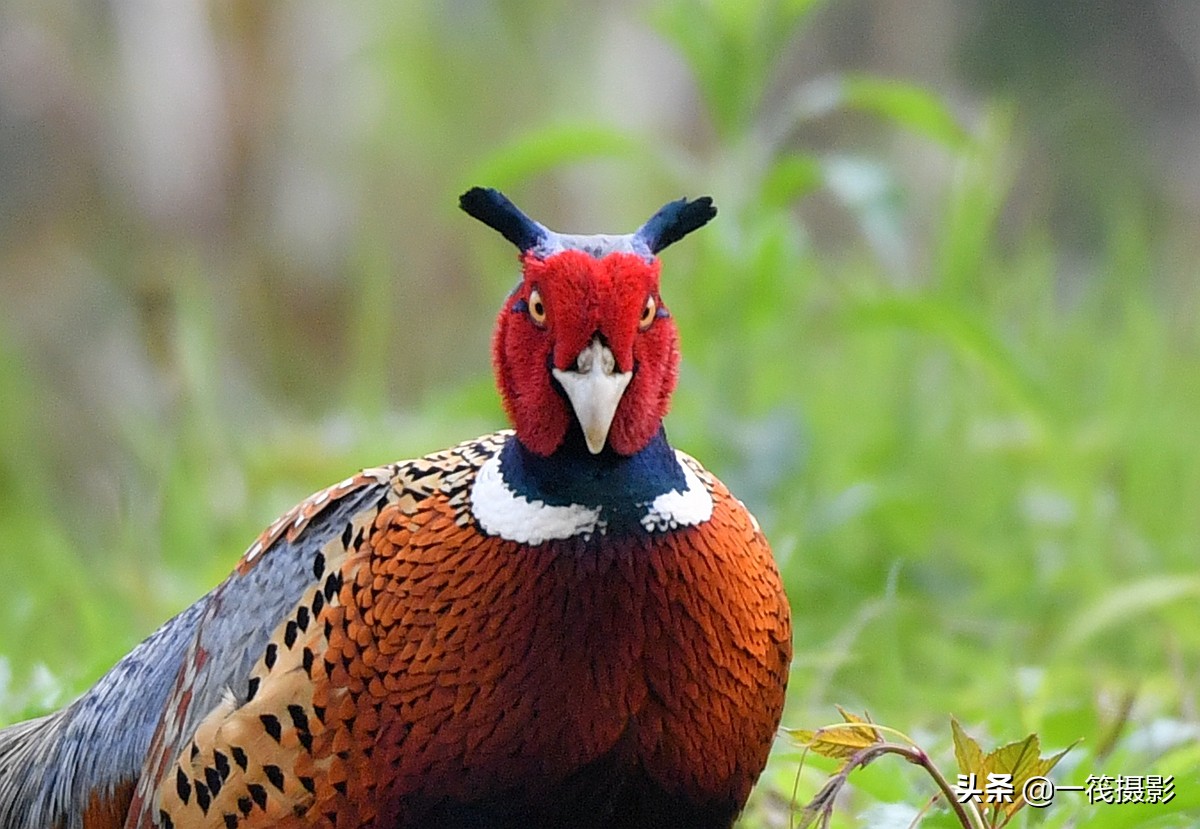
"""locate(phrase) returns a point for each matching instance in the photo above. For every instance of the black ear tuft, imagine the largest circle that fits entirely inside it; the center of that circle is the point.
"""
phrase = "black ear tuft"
(674, 221)
(493, 208)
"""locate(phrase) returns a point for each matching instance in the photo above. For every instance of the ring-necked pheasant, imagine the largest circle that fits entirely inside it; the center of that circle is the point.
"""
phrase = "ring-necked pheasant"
(567, 624)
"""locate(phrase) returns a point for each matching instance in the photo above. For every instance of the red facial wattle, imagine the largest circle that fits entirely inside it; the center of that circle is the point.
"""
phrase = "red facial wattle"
(582, 298)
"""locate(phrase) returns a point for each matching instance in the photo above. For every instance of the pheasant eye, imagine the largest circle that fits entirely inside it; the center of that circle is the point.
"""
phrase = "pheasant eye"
(537, 309)
(649, 310)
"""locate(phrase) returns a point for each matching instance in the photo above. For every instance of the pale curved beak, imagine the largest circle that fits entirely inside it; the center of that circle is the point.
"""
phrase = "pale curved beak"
(594, 387)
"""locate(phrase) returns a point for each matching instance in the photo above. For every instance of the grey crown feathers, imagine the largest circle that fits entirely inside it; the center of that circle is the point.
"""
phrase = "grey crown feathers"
(670, 224)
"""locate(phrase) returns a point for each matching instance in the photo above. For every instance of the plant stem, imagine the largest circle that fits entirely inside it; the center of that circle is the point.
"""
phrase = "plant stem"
(969, 818)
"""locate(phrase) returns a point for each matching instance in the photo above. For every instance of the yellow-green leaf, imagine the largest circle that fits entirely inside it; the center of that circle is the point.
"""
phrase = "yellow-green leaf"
(966, 751)
(840, 741)
(1022, 760)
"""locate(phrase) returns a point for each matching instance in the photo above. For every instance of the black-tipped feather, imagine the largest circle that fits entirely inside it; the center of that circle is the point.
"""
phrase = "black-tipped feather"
(670, 224)
(493, 208)
(674, 221)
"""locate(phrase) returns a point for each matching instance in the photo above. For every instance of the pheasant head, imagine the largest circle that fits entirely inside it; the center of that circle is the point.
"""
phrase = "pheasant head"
(584, 346)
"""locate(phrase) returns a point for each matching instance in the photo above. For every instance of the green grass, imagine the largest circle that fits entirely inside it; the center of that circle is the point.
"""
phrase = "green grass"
(980, 472)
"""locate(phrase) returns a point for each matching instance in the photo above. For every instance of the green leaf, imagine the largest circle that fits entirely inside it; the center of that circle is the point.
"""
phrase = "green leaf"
(551, 146)
(732, 47)
(907, 105)
(969, 336)
(1123, 604)
(790, 178)
(796, 10)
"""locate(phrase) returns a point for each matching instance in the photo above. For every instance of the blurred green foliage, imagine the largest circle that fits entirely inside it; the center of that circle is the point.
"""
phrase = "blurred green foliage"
(978, 466)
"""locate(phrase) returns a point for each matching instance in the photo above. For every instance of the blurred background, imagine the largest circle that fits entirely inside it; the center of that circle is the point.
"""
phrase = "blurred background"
(942, 338)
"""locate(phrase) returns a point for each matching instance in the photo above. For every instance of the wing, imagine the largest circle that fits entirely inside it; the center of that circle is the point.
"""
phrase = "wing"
(233, 623)
(238, 735)
(66, 769)
(77, 768)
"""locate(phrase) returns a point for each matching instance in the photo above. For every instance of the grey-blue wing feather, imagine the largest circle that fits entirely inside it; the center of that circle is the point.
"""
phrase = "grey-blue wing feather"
(52, 768)
(245, 609)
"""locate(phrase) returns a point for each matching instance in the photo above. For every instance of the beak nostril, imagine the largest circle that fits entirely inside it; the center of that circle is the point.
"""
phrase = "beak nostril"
(585, 363)
(594, 388)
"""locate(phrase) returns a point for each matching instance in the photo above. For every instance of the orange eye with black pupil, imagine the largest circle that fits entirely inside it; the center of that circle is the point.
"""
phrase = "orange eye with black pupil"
(649, 310)
(537, 309)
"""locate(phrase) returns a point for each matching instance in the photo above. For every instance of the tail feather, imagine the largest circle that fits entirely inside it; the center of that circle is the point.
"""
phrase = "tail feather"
(30, 789)
(76, 768)
(70, 769)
